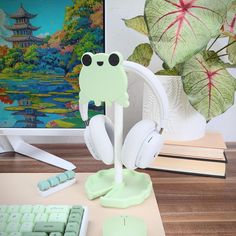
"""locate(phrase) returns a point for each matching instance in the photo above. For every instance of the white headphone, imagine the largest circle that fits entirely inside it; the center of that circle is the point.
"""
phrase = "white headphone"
(144, 140)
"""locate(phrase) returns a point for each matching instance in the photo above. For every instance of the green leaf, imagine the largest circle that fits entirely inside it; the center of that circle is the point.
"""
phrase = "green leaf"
(142, 54)
(208, 85)
(230, 23)
(180, 29)
(231, 50)
(167, 72)
(137, 23)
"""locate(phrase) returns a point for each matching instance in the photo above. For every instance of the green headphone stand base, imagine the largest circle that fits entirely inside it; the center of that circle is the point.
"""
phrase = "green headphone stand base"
(133, 190)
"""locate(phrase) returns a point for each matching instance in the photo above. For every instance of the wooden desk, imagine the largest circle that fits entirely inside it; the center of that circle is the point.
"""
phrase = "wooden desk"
(189, 205)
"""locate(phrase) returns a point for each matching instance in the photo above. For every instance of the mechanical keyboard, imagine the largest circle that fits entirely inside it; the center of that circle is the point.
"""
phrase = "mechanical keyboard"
(43, 220)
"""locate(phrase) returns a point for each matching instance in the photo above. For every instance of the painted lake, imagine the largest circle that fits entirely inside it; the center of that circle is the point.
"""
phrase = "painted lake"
(41, 102)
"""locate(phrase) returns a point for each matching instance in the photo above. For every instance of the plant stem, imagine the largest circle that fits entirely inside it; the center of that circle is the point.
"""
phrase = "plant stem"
(226, 46)
(213, 42)
(226, 54)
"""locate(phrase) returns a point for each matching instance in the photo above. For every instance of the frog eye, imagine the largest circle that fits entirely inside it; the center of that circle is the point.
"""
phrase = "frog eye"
(114, 59)
(86, 59)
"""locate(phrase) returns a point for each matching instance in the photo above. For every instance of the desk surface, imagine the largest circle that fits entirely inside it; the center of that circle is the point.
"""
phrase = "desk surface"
(189, 205)
(26, 193)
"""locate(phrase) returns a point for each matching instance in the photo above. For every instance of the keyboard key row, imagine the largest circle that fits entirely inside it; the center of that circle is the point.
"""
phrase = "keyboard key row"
(37, 234)
(34, 209)
(53, 221)
(30, 217)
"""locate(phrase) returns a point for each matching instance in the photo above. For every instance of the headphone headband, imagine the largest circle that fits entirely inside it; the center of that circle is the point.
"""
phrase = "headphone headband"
(154, 85)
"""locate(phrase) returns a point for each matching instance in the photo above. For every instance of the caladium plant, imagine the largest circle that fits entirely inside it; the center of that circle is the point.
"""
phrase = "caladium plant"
(179, 32)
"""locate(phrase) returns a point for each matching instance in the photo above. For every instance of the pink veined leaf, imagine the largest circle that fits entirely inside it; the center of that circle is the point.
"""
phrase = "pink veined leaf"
(185, 9)
(180, 28)
(230, 27)
(210, 75)
(208, 85)
(230, 24)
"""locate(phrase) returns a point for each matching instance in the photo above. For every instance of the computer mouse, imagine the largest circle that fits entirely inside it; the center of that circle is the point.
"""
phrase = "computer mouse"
(124, 226)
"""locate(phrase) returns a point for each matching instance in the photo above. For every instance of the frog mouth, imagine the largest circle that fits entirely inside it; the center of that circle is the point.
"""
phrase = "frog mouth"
(100, 63)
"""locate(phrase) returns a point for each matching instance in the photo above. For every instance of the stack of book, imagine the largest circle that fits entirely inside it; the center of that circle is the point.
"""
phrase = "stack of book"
(205, 156)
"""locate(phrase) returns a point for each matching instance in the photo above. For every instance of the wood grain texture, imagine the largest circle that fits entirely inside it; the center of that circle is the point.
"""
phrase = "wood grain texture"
(189, 205)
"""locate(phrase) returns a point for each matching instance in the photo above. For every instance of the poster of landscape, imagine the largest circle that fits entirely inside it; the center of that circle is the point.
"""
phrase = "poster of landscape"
(41, 43)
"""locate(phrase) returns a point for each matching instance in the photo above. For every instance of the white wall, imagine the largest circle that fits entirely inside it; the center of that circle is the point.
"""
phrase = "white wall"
(123, 39)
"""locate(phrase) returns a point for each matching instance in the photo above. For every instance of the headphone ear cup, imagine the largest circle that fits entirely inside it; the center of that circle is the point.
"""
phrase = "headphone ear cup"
(99, 138)
(140, 145)
(150, 149)
(89, 143)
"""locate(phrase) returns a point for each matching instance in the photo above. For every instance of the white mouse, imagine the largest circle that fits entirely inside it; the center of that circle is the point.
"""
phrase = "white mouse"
(124, 226)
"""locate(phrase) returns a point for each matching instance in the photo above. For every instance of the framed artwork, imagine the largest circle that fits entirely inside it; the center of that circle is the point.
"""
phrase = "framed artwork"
(41, 43)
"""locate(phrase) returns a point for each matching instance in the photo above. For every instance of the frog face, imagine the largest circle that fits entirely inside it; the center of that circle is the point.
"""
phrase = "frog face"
(104, 61)
(103, 78)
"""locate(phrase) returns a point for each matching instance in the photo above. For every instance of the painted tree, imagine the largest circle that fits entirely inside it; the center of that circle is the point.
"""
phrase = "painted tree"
(14, 55)
(31, 56)
(81, 21)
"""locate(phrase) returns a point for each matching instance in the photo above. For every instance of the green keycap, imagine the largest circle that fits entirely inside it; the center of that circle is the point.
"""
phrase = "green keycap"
(26, 209)
(34, 234)
(58, 209)
(55, 234)
(38, 209)
(77, 209)
(13, 208)
(28, 217)
(3, 217)
(27, 227)
(3, 226)
(53, 181)
(70, 174)
(3, 234)
(62, 178)
(14, 234)
(15, 217)
(49, 227)
(70, 234)
(3, 208)
(58, 217)
(44, 185)
(75, 217)
(12, 227)
(41, 217)
(72, 227)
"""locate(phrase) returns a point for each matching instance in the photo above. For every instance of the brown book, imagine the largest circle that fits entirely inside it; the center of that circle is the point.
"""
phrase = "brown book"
(209, 148)
(210, 140)
(188, 166)
(204, 156)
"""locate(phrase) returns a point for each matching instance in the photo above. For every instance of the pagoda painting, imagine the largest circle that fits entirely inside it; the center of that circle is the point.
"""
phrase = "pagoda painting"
(22, 29)
(40, 66)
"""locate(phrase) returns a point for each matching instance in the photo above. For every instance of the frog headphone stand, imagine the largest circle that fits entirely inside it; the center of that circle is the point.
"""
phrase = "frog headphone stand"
(121, 188)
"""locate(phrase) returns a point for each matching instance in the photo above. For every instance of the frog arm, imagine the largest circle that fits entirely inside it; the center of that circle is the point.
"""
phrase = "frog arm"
(124, 100)
(83, 98)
